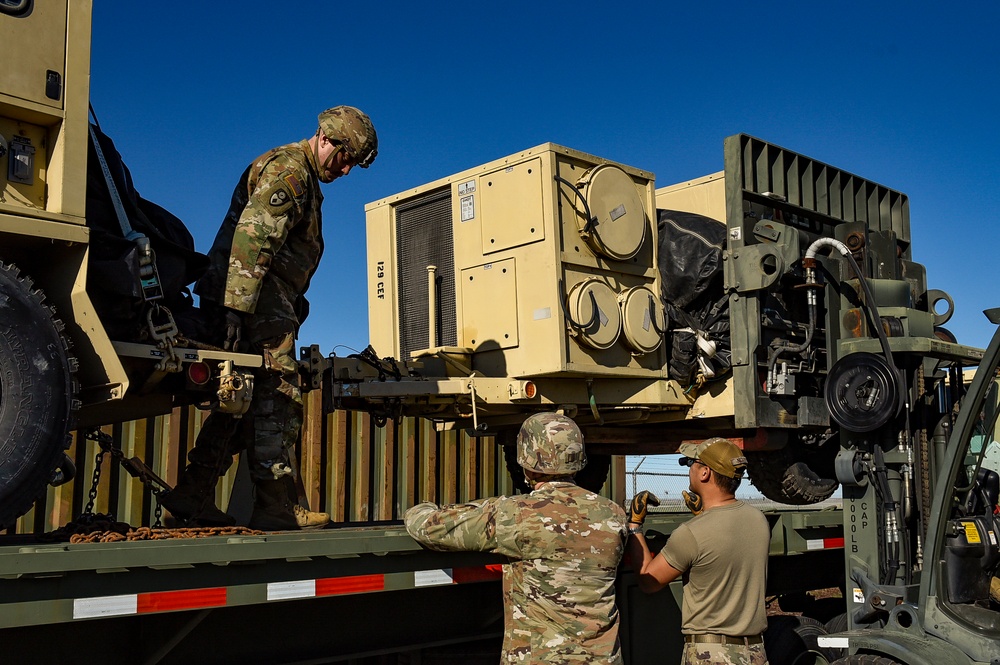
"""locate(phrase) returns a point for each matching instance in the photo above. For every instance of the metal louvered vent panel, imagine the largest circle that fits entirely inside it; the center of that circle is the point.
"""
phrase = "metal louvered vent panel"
(423, 238)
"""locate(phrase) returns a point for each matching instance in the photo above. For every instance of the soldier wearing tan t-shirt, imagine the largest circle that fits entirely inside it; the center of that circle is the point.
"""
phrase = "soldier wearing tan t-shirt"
(722, 554)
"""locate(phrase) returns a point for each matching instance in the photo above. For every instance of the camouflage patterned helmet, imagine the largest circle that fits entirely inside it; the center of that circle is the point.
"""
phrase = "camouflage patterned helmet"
(354, 130)
(551, 444)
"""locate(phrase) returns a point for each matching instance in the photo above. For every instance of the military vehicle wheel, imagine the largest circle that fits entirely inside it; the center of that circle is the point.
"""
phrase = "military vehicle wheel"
(865, 659)
(36, 393)
(792, 640)
(790, 476)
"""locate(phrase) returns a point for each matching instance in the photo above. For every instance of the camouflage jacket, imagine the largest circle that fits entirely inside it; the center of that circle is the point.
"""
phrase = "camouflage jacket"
(271, 240)
(564, 544)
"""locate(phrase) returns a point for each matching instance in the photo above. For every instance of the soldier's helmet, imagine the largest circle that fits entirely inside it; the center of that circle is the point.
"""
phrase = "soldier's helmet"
(354, 130)
(551, 444)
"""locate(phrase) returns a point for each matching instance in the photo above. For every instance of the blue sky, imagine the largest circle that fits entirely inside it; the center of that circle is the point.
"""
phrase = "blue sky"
(903, 93)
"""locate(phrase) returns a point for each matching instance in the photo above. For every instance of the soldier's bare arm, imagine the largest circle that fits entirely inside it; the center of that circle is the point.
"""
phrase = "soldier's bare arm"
(654, 572)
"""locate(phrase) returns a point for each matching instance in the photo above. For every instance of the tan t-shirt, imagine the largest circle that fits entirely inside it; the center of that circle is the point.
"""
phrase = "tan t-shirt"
(723, 555)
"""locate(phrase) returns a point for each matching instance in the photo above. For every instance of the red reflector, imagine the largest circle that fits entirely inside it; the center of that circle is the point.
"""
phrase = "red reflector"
(199, 373)
(331, 586)
(477, 573)
(166, 601)
(833, 542)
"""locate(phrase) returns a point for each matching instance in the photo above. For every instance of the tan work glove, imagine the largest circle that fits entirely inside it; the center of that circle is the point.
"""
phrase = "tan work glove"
(638, 507)
(693, 502)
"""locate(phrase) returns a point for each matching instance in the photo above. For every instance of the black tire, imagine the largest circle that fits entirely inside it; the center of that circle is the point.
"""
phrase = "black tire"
(786, 476)
(36, 393)
(792, 640)
(837, 624)
(865, 659)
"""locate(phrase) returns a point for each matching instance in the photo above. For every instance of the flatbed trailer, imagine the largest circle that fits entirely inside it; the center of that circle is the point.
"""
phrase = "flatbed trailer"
(324, 596)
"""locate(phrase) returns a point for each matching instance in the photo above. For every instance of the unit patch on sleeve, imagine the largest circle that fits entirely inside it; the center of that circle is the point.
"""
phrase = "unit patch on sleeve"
(277, 198)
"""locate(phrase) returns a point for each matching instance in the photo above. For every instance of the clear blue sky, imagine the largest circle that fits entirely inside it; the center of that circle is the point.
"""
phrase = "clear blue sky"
(903, 93)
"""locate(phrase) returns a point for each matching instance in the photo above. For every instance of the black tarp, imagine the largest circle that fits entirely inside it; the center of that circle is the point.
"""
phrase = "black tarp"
(692, 289)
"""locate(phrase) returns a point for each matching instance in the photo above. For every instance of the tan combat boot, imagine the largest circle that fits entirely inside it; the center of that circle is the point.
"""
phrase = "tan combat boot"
(308, 519)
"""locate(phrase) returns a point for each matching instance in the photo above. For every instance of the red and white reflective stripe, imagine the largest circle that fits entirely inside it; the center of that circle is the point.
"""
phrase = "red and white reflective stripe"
(437, 577)
(191, 599)
(144, 603)
(443, 576)
(327, 586)
(824, 543)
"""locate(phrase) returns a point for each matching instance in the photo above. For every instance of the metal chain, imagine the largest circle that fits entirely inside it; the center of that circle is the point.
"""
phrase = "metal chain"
(92, 495)
(109, 446)
(91, 527)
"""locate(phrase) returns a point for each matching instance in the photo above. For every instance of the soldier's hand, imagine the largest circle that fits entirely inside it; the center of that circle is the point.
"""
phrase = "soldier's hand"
(693, 502)
(234, 330)
(639, 506)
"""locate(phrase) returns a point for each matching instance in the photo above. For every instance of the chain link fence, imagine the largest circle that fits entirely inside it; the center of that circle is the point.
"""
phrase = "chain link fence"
(664, 477)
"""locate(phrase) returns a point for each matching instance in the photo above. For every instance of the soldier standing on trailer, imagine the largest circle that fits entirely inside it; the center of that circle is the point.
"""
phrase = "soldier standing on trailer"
(253, 294)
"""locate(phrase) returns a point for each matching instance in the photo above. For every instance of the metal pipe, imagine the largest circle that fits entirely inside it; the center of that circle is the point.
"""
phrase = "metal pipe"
(432, 306)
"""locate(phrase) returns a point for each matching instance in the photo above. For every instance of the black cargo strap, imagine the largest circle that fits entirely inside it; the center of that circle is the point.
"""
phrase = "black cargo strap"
(149, 276)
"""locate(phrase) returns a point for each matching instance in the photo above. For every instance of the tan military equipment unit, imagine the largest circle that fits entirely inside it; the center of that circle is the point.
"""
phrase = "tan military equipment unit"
(60, 360)
(540, 271)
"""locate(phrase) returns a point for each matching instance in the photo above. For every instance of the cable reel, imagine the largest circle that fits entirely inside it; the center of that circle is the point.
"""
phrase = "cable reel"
(863, 392)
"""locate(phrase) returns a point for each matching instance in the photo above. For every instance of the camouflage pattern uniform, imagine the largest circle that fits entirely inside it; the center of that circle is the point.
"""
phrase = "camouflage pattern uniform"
(724, 654)
(564, 544)
(261, 262)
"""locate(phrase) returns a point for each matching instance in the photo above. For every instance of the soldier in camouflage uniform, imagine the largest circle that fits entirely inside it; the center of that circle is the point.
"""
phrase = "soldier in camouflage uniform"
(253, 293)
(722, 554)
(564, 544)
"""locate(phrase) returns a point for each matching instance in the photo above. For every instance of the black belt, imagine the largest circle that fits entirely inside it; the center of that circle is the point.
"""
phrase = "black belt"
(723, 639)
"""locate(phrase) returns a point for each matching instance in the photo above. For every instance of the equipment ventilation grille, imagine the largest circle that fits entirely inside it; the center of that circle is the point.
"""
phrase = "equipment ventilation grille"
(423, 238)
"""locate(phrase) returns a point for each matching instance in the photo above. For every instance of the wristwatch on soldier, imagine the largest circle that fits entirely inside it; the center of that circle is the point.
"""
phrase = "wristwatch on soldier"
(634, 528)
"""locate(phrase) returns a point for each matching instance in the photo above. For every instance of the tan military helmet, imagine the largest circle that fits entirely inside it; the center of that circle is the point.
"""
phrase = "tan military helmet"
(354, 130)
(551, 444)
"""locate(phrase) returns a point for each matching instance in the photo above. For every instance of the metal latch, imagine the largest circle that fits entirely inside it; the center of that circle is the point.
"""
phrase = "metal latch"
(21, 164)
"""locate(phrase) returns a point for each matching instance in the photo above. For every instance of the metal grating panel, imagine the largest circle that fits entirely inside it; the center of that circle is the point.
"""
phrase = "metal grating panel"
(821, 188)
(423, 238)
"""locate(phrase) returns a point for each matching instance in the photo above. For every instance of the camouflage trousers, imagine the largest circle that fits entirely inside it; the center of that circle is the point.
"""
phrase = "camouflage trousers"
(723, 654)
(271, 427)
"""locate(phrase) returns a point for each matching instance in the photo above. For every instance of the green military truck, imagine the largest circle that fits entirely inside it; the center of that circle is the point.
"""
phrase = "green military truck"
(92, 276)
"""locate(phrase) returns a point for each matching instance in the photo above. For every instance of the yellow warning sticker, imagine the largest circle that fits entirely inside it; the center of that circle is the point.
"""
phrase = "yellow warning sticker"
(971, 533)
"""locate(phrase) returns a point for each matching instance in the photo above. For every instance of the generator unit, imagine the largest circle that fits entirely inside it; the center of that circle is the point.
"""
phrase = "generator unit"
(540, 264)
